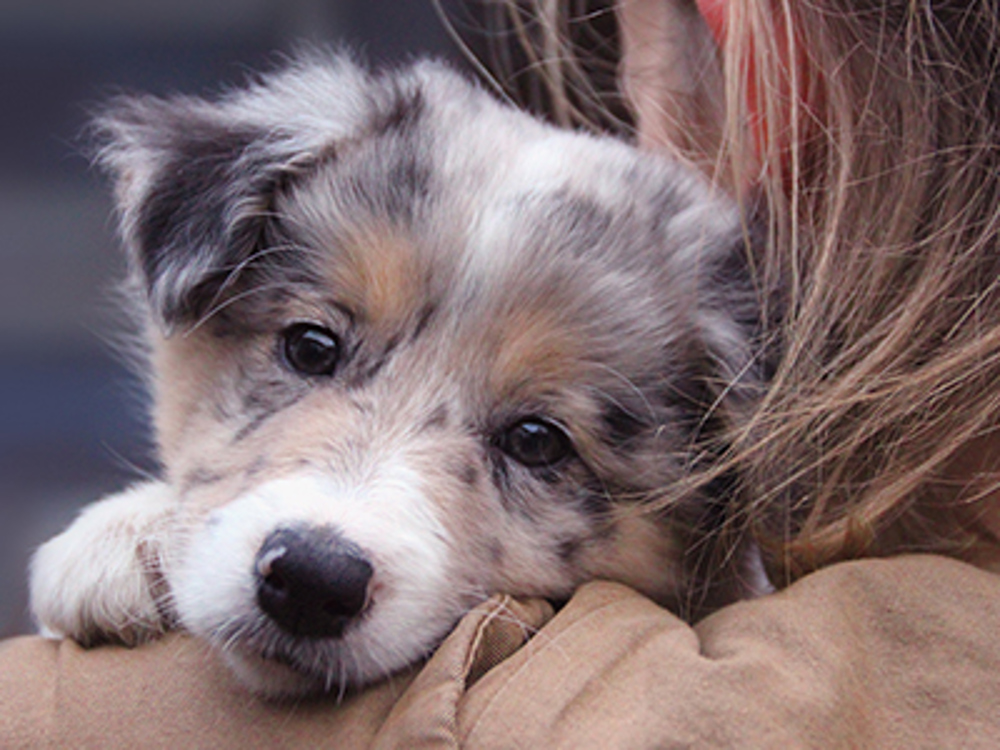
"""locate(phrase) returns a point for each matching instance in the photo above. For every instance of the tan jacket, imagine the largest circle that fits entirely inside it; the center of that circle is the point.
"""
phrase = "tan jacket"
(901, 653)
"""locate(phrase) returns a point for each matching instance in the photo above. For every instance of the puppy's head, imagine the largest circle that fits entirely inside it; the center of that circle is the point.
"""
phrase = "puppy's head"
(411, 347)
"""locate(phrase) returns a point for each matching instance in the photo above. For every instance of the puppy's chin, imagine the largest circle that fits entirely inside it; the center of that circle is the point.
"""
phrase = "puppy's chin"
(271, 678)
(276, 665)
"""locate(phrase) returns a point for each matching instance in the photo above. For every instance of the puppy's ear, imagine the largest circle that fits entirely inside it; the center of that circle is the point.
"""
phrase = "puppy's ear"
(736, 327)
(194, 185)
(732, 318)
(729, 361)
(195, 179)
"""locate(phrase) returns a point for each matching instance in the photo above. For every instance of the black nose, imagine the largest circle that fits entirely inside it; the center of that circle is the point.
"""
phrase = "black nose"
(311, 581)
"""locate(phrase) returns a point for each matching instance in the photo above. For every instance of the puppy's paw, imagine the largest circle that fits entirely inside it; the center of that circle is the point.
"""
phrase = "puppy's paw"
(100, 580)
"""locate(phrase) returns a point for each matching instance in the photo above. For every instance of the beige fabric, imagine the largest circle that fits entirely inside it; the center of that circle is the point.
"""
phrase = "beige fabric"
(881, 653)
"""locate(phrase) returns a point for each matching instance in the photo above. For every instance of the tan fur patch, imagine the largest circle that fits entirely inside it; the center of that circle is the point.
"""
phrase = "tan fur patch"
(377, 274)
(188, 370)
(642, 556)
(533, 345)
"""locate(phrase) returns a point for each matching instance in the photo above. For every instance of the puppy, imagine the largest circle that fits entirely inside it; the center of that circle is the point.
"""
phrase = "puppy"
(409, 347)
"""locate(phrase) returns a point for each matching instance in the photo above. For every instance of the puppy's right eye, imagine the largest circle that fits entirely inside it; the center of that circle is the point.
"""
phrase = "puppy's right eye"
(311, 349)
(536, 442)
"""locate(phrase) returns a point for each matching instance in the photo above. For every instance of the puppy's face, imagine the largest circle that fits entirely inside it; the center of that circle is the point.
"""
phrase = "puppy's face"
(411, 348)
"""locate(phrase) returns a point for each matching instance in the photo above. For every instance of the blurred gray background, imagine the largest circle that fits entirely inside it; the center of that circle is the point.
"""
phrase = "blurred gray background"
(72, 423)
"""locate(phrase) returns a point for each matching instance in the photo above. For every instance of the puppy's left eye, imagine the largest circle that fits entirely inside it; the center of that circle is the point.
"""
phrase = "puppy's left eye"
(311, 349)
(535, 442)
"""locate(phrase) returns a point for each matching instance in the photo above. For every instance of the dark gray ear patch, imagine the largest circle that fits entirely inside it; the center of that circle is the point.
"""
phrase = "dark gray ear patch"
(186, 221)
(195, 196)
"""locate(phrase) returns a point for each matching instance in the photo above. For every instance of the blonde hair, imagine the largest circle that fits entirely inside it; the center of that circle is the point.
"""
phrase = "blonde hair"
(877, 161)
(556, 58)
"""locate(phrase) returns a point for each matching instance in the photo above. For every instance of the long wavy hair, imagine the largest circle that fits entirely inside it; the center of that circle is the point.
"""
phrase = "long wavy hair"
(865, 133)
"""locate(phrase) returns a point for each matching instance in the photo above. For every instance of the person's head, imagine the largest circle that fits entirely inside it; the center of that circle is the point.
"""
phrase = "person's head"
(865, 133)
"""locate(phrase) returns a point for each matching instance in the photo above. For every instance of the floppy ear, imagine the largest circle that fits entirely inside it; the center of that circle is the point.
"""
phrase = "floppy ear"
(194, 188)
(736, 329)
(672, 77)
(195, 179)
(733, 319)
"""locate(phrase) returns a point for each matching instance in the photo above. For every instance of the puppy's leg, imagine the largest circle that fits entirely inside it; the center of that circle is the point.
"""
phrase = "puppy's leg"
(101, 580)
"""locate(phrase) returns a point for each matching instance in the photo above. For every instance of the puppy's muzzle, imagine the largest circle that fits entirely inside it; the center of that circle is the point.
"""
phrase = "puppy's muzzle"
(311, 581)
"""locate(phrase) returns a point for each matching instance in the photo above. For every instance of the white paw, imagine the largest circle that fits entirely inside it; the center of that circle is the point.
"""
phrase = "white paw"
(100, 580)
